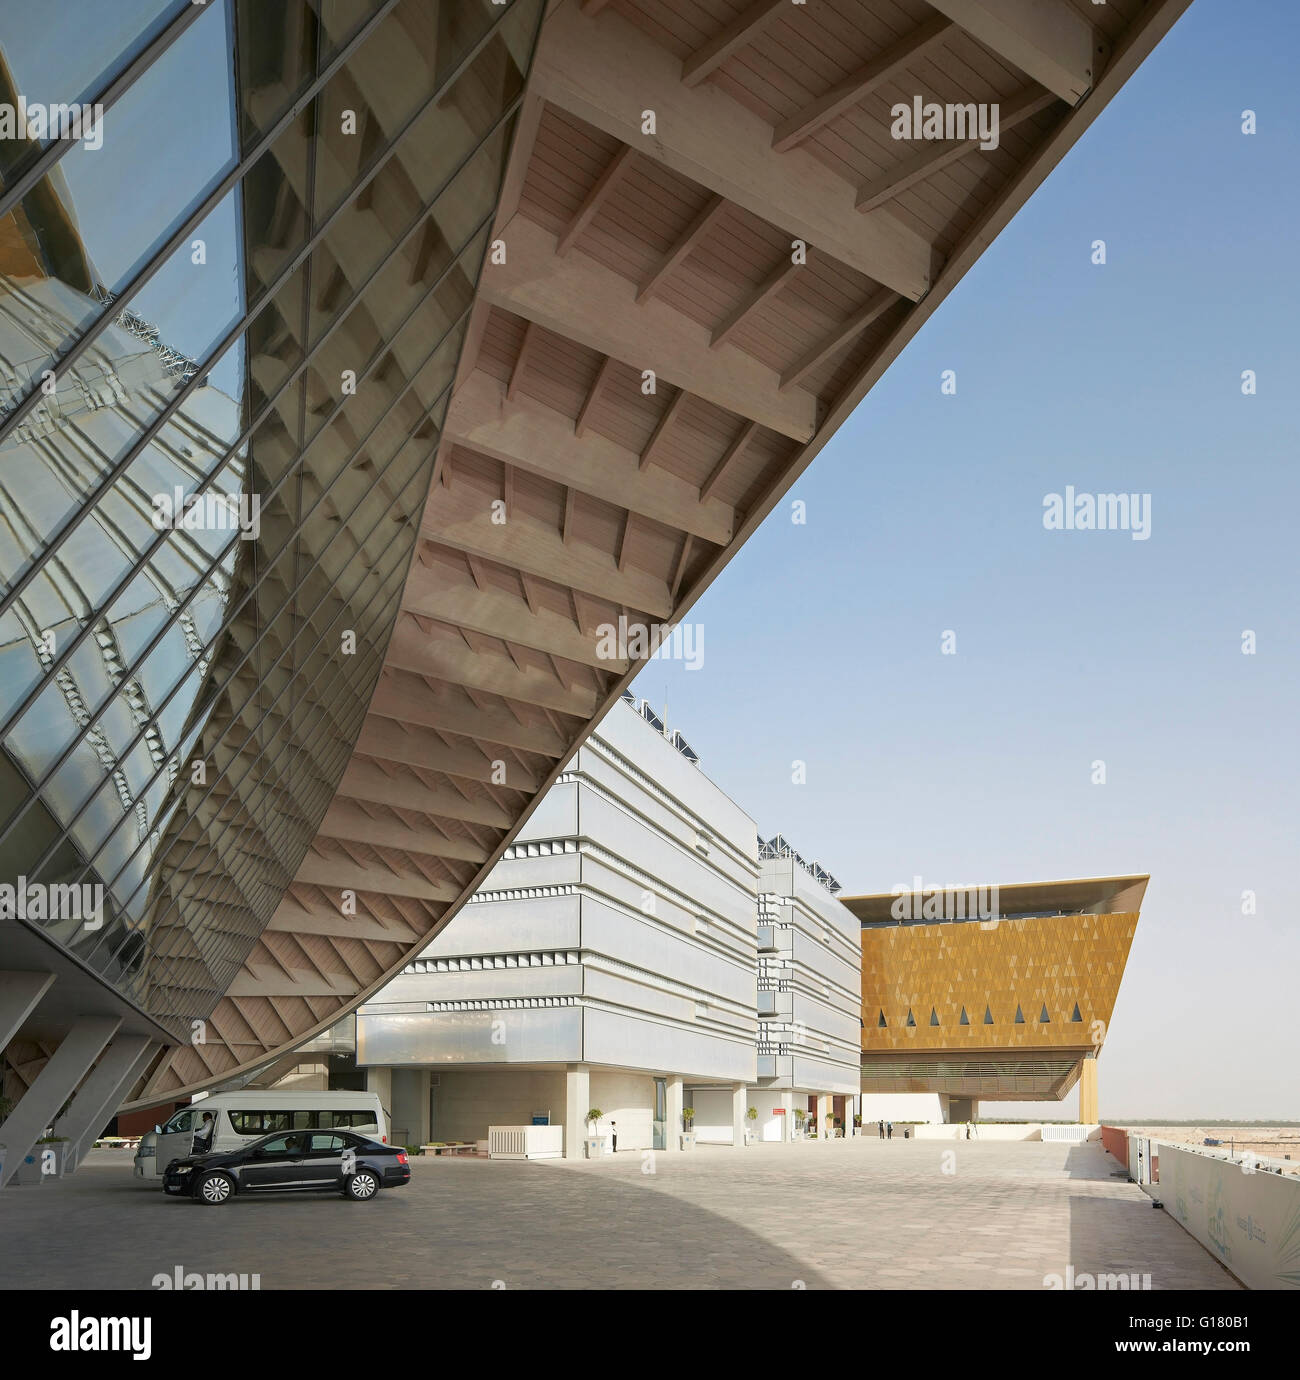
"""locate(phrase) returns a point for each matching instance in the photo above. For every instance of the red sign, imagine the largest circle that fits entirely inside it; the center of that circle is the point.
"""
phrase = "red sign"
(778, 1111)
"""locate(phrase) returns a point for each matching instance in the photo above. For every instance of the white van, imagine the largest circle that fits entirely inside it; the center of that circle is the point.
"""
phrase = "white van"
(242, 1117)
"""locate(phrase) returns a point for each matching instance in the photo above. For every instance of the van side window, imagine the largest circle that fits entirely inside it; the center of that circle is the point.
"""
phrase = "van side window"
(181, 1121)
(248, 1123)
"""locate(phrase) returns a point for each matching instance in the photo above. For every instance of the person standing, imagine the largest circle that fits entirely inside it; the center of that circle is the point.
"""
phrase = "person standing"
(613, 1137)
(881, 1128)
(889, 1130)
(204, 1134)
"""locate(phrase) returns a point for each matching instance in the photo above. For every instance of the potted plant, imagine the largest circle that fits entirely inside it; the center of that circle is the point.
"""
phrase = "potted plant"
(688, 1135)
(594, 1142)
(751, 1116)
(839, 1127)
(857, 1125)
(800, 1116)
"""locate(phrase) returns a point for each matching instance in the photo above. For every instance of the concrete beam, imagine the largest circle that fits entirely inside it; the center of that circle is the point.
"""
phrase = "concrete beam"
(54, 1085)
(580, 299)
(1046, 39)
(606, 71)
(20, 993)
(532, 437)
(98, 1097)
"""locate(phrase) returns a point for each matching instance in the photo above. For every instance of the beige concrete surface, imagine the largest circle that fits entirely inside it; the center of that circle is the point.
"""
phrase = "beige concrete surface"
(848, 1214)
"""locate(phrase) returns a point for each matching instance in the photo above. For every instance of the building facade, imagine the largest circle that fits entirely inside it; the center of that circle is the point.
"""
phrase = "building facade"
(1001, 993)
(608, 960)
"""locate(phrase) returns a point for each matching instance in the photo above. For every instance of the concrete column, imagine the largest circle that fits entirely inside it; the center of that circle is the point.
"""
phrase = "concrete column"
(787, 1131)
(98, 1096)
(424, 1130)
(57, 1081)
(577, 1103)
(739, 1106)
(824, 1115)
(673, 1105)
(1088, 1112)
(380, 1080)
(19, 993)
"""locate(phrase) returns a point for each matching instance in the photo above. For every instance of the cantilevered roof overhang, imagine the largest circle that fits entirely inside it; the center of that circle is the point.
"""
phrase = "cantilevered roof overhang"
(710, 248)
(1084, 896)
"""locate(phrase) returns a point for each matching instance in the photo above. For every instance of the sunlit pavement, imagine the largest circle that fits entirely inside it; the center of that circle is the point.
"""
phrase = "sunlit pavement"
(843, 1214)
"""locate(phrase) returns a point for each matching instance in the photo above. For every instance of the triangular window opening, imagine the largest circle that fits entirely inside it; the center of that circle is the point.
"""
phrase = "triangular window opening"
(965, 1019)
(1020, 1016)
(1043, 1017)
(911, 1019)
(1076, 1016)
(988, 1015)
(934, 1016)
(882, 1023)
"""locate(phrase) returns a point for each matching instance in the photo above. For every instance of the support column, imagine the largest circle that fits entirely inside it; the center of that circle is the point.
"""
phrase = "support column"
(1088, 1113)
(57, 1081)
(824, 1115)
(98, 1096)
(577, 1103)
(739, 1106)
(380, 1080)
(423, 1130)
(787, 1131)
(19, 993)
(673, 1105)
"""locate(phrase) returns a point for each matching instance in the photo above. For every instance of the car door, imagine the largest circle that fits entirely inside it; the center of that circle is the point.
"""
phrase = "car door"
(275, 1164)
(175, 1140)
(323, 1163)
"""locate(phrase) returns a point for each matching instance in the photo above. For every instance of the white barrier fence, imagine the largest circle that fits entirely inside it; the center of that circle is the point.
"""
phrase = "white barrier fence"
(525, 1142)
(1245, 1216)
(1072, 1135)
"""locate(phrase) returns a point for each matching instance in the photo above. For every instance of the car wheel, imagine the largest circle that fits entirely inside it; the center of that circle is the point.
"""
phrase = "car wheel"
(214, 1189)
(362, 1186)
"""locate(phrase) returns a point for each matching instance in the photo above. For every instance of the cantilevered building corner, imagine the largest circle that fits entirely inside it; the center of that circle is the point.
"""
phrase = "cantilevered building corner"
(1001, 993)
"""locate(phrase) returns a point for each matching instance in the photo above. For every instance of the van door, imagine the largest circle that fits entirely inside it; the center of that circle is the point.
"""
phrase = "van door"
(175, 1141)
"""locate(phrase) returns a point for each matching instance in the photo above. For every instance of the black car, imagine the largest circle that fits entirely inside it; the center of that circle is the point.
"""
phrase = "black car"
(292, 1162)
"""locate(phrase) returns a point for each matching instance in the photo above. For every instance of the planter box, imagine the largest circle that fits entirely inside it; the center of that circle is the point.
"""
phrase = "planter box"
(688, 1140)
(30, 1172)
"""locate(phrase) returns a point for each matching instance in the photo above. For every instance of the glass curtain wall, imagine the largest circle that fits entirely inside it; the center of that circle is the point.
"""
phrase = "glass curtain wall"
(239, 244)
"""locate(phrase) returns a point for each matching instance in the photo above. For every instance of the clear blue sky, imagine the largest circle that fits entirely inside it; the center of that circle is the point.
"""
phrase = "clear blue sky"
(822, 641)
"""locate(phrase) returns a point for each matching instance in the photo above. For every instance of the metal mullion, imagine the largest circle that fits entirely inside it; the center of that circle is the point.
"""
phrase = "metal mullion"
(178, 237)
(236, 881)
(226, 622)
(70, 650)
(346, 745)
(106, 99)
(67, 829)
(250, 593)
(283, 746)
(341, 747)
(266, 297)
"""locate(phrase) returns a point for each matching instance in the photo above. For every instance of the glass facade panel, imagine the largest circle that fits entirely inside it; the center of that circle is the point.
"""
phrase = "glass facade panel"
(230, 476)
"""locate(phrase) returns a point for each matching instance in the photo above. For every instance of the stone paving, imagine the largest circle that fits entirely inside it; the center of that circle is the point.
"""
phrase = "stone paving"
(843, 1214)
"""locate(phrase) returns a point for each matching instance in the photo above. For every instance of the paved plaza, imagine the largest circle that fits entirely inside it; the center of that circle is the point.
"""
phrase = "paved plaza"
(844, 1214)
